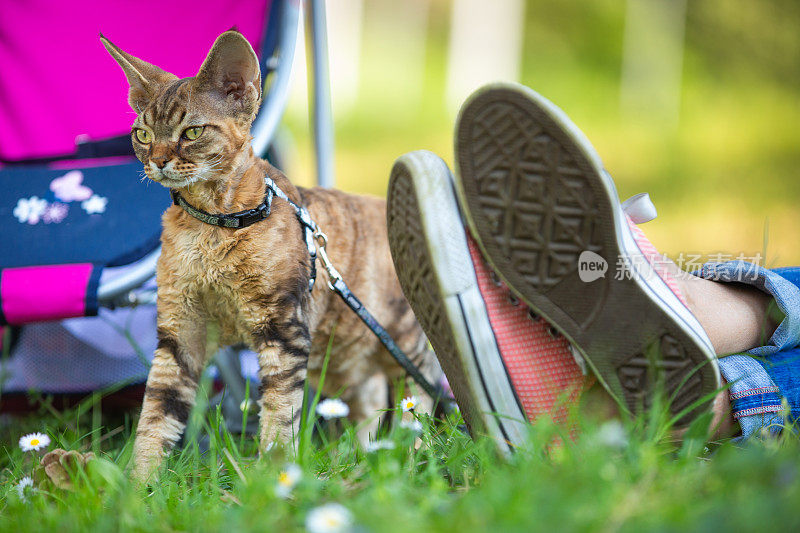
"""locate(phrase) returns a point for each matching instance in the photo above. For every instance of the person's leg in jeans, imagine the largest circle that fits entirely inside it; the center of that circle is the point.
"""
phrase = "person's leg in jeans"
(764, 377)
(536, 200)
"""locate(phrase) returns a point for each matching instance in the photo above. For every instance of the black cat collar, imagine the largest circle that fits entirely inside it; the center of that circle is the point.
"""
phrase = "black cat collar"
(239, 220)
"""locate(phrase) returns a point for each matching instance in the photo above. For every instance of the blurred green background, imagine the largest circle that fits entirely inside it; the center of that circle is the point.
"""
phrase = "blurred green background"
(718, 151)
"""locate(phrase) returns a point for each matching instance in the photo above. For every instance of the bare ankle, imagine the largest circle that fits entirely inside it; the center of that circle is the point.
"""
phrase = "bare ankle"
(735, 316)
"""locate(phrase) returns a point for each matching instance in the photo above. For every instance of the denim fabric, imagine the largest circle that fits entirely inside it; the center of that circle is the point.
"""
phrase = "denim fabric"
(784, 369)
(761, 378)
(784, 366)
(755, 397)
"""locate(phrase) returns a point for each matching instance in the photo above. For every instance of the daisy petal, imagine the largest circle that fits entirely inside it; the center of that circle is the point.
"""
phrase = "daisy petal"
(34, 442)
(332, 408)
(329, 518)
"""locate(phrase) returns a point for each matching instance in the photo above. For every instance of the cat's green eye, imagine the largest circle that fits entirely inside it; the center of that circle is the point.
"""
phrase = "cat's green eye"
(193, 133)
(143, 136)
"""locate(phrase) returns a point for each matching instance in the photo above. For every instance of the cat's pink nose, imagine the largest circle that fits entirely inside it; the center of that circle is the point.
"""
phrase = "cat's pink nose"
(160, 161)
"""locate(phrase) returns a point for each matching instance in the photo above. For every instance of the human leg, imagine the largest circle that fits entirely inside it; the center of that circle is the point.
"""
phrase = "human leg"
(736, 317)
(763, 379)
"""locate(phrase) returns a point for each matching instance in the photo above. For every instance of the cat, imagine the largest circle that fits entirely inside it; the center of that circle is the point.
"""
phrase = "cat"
(252, 283)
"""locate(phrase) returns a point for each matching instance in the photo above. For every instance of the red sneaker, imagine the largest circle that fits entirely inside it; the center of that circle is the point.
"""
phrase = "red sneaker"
(504, 364)
(546, 216)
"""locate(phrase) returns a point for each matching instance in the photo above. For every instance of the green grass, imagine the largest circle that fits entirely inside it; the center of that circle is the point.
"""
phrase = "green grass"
(614, 477)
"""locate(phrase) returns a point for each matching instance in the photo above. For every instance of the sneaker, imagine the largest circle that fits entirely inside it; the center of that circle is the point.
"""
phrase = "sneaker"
(546, 216)
(504, 364)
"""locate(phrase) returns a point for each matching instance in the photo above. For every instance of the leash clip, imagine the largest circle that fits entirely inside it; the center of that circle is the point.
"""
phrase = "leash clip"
(322, 242)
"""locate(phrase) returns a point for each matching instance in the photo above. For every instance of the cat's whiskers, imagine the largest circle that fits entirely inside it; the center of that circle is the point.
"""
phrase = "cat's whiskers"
(206, 168)
(211, 163)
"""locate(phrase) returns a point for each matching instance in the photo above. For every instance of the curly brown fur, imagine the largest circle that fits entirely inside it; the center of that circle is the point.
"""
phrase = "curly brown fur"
(253, 282)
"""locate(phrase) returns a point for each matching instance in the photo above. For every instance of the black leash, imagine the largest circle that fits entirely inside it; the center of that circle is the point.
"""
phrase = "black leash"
(435, 391)
(338, 286)
(315, 241)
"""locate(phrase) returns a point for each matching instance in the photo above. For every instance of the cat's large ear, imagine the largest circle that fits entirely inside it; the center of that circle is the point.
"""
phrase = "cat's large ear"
(145, 79)
(231, 71)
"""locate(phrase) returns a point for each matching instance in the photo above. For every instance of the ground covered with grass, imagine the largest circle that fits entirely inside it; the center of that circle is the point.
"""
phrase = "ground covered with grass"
(614, 477)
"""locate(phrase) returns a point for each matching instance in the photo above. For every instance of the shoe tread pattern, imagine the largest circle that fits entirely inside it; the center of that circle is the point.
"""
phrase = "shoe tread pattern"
(415, 271)
(532, 195)
(675, 369)
(534, 203)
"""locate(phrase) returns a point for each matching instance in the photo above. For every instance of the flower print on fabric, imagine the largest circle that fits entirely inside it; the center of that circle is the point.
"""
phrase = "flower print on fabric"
(55, 213)
(30, 210)
(95, 204)
(68, 188)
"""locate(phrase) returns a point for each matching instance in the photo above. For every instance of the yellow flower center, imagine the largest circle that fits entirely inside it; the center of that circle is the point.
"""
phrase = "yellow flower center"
(283, 478)
(34, 442)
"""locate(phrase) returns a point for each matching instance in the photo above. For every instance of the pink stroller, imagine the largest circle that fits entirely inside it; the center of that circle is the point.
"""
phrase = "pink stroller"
(77, 294)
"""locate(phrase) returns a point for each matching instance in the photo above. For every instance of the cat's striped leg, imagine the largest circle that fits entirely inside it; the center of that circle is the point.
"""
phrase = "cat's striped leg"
(283, 350)
(170, 392)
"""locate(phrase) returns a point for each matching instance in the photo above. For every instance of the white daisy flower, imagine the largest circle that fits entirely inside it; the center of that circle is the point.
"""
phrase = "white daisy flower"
(288, 479)
(246, 405)
(23, 484)
(409, 403)
(95, 204)
(612, 434)
(411, 425)
(34, 442)
(30, 210)
(377, 445)
(332, 408)
(329, 518)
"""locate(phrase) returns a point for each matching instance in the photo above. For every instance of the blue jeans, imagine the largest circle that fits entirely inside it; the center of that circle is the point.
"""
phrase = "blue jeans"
(765, 381)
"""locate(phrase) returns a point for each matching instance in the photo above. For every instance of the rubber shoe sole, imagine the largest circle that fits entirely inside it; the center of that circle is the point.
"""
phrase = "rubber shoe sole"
(431, 256)
(537, 200)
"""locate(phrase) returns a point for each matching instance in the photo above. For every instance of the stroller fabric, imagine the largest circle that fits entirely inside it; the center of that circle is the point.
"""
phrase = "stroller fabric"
(72, 222)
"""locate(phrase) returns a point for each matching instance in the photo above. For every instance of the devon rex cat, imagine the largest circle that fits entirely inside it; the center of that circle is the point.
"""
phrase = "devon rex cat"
(193, 136)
